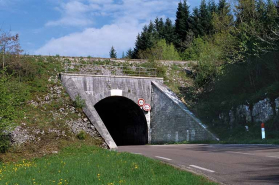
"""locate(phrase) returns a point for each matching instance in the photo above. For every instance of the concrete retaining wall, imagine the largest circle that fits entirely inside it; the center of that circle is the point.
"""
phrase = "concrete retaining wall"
(168, 121)
(171, 119)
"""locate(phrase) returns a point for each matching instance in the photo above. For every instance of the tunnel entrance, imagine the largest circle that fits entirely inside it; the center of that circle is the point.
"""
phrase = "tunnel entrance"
(124, 120)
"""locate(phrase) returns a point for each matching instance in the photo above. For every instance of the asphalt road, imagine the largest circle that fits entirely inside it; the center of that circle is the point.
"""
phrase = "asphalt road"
(226, 164)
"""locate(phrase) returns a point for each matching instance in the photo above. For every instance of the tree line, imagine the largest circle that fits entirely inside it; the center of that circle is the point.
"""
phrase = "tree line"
(213, 34)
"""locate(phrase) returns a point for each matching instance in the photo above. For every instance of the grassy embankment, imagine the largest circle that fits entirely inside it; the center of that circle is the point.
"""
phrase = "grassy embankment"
(91, 165)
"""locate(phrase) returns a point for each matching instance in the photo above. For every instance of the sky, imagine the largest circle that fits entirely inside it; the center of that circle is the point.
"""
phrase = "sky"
(81, 27)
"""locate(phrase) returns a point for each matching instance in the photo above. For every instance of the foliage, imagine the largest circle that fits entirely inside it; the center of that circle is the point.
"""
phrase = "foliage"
(257, 27)
(81, 135)
(12, 95)
(152, 33)
(161, 51)
(22, 78)
(91, 165)
(79, 103)
(112, 53)
(242, 84)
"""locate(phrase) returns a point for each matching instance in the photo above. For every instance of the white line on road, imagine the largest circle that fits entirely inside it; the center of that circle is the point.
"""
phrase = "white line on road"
(163, 158)
(137, 153)
(241, 153)
(273, 156)
(198, 167)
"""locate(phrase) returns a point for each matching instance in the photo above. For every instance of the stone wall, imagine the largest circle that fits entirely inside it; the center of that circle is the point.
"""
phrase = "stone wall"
(171, 121)
(131, 61)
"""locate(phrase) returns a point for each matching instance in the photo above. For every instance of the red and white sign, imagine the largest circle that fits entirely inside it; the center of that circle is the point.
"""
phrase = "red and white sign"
(146, 107)
(141, 102)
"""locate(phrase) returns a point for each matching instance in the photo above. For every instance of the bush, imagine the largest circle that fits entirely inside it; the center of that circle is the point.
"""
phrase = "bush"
(79, 103)
(4, 143)
(81, 135)
(161, 51)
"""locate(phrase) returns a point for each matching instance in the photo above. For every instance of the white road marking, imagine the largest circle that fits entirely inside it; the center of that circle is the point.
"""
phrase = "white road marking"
(137, 153)
(273, 156)
(241, 153)
(254, 154)
(201, 168)
(163, 158)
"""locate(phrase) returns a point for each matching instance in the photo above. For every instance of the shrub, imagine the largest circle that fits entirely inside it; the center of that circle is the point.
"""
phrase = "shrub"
(81, 135)
(4, 143)
(79, 103)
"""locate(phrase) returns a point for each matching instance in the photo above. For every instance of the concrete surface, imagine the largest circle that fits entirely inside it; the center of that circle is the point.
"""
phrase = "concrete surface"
(172, 121)
(226, 164)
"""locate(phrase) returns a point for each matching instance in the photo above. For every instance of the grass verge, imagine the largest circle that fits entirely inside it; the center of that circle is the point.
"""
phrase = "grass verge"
(92, 165)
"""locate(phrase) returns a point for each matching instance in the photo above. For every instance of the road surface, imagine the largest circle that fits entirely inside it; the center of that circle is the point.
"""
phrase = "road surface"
(226, 164)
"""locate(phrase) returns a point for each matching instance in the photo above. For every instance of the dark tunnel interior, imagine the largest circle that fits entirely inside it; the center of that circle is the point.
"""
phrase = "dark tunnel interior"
(124, 120)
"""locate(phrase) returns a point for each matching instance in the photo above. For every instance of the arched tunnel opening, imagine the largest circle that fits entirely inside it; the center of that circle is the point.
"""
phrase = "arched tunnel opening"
(124, 120)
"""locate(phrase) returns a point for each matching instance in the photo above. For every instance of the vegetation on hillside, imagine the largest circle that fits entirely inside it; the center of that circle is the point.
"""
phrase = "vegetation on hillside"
(236, 47)
(33, 104)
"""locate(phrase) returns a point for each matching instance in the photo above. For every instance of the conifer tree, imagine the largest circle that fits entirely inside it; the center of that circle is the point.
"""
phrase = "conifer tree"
(169, 31)
(195, 22)
(112, 53)
(221, 6)
(204, 15)
(129, 53)
(222, 19)
(159, 28)
(182, 24)
(145, 40)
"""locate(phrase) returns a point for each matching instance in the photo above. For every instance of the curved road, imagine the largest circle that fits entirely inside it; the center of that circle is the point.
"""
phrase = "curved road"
(226, 164)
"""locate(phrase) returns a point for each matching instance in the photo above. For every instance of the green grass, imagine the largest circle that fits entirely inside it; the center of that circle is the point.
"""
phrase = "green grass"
(92, 165)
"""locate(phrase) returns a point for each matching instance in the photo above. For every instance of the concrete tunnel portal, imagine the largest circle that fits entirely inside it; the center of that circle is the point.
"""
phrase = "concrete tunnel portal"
(124, 119)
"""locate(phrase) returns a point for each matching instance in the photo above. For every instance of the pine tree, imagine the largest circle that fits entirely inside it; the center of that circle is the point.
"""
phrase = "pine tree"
(159, 28)
(169, 31)
(182, 24)
(112, 53)
(145, 40)
(129, 53)
(212, 8)
(195, 22)
(245, 11)
(151, 28)
(179, 22)
(221, 6)
(204, 15)
(222, 19)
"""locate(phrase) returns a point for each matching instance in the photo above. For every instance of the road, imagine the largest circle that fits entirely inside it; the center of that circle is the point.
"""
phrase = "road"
(226, 164)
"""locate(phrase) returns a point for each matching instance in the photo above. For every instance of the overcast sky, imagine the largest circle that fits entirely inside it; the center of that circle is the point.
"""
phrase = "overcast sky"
(81, 27)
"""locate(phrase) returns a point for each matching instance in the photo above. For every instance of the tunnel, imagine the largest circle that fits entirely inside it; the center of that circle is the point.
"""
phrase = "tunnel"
(124, 119)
